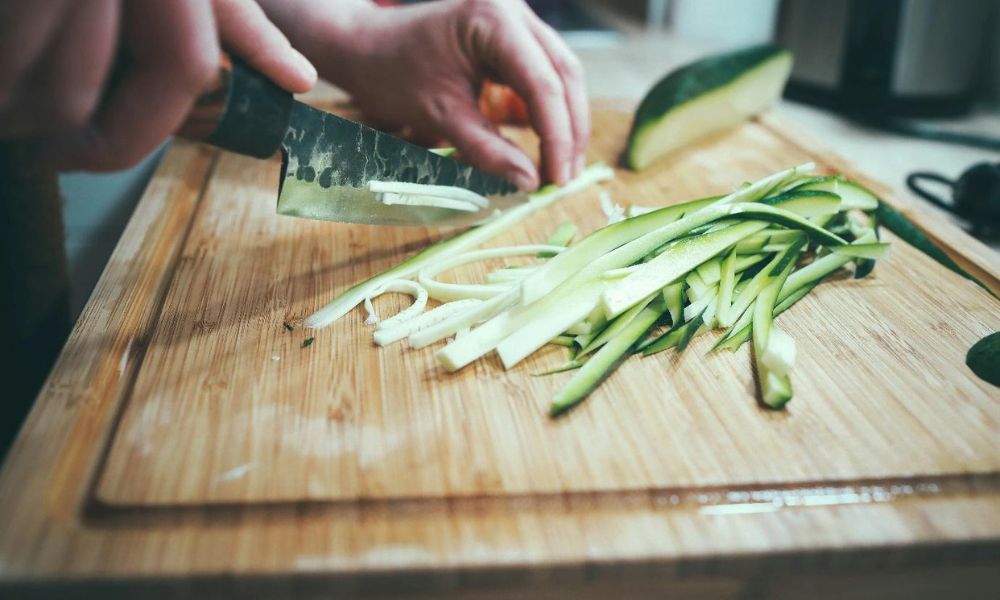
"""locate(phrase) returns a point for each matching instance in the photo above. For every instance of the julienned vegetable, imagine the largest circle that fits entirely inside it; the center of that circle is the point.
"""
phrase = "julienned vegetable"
(451, 247)
(735, 262)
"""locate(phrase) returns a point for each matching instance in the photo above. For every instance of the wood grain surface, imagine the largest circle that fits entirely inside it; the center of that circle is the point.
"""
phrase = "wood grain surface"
(185, 435)
(230, 409)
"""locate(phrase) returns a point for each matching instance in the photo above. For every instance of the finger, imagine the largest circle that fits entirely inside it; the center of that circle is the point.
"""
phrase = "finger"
(520, 61)
(65, 86)
(246, 31)
(571, 71)
(26, 30)
(481, 144)
(174, 51)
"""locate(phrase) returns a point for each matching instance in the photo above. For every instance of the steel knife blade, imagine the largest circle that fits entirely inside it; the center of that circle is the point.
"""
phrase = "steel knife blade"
(327, 160)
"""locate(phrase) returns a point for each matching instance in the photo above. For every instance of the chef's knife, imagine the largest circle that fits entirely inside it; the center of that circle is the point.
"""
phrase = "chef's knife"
(326, 160)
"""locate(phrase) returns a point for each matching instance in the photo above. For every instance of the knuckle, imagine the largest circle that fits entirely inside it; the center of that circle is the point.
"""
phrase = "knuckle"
(434, 108)
(481, 20)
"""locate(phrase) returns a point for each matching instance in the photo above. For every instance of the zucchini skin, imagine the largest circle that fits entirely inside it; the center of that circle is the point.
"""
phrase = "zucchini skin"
(984, 358)
(692, 81)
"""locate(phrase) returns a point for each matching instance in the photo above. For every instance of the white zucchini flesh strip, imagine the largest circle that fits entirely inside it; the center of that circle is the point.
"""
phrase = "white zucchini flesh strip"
(390, 198)
(779, 356)
(471, 238)
(710, 271)
(695, 308)
(455, 323)
(403, 286)
(708, 316)
(440, 290)
(403, 188)
(391, 335)
(545, 325)
(614, 328)
(613, 274)
(542, 320)
(775, 386)
(696, 286)
(635, 211)
(593, 323)
(612, 211)
(509, 274)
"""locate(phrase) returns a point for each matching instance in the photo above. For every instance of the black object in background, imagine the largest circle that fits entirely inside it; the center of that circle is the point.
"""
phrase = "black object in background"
(975, 195)
(903, 58)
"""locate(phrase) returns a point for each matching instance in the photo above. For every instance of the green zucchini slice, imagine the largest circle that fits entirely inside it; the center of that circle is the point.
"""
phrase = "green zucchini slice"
(705, 97)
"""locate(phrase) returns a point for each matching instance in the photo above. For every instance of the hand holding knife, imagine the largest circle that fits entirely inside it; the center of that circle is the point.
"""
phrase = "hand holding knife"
(328, 161)
(418, 65)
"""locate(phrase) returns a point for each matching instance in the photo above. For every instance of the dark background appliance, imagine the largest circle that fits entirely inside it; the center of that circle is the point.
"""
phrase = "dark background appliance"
(906, 58)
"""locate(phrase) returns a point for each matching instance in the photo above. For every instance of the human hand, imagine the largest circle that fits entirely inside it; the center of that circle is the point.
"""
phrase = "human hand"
(422, 66)
(56, 58)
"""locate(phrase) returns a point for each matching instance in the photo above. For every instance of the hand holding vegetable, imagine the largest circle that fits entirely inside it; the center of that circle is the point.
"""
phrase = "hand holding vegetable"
(422, 66)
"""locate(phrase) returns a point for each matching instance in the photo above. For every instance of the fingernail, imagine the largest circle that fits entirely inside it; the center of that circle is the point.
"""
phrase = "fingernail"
(581, 163)
(524, 181)
(305, 68)
(564, 173)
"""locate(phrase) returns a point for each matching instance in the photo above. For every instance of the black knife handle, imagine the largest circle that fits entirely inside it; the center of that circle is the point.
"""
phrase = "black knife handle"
(242, 111)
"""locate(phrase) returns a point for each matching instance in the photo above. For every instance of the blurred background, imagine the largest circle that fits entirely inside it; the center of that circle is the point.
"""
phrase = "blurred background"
(938, 60)
(896, 85)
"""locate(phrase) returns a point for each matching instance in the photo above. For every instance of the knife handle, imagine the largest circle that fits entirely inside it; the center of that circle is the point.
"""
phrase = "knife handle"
(241, 111)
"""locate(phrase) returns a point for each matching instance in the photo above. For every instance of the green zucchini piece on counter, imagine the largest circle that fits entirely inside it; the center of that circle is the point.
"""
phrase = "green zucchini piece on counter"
(705, 97)
(984, 358)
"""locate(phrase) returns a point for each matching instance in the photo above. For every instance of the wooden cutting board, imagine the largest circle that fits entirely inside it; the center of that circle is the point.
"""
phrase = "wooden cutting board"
(183, 414)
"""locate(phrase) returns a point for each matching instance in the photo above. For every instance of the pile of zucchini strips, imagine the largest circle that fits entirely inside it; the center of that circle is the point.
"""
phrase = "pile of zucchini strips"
(640, 285)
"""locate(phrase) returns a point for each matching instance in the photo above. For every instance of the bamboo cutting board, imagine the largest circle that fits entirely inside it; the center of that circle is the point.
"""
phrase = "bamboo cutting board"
(230, 409)
(186, 432)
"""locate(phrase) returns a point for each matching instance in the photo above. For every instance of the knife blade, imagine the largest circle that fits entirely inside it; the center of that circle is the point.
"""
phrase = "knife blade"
(327, 160)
